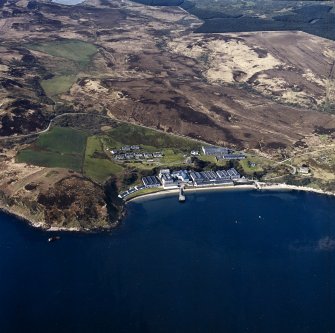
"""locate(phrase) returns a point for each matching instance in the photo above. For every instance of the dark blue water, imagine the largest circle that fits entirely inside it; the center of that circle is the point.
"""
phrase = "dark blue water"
(231, 262)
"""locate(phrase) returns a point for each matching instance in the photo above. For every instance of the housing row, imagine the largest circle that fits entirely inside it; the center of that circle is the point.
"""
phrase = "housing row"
(222, 153)
(137, 156)
(131, 190)
(129, 148)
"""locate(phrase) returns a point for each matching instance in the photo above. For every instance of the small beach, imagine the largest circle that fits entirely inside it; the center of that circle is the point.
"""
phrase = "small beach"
(265, 187)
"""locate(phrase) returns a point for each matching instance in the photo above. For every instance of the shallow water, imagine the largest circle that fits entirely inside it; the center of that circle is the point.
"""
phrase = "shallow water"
(233, 261)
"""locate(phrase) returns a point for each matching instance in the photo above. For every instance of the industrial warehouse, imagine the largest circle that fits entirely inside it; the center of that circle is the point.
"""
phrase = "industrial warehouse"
(174, 179)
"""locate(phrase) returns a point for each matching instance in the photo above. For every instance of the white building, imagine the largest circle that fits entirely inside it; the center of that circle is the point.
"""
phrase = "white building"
(168, 181)
(163, 172)
(304, 170)
(181, 175)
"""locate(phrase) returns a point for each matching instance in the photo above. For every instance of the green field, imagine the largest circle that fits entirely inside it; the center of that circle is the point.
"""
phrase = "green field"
(75, 50)
(50, 159)
(96, 166)
(249, 169)
(75, 56)
(60, 147)
(126, 134)
(58, 84)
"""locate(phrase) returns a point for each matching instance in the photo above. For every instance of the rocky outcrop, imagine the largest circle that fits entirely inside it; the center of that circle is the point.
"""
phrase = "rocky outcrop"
(73, 203)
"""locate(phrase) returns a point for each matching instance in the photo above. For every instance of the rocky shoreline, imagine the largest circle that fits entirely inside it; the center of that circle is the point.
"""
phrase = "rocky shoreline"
(44, 227)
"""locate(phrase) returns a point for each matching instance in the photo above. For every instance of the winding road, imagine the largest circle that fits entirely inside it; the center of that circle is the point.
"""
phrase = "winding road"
(21, 136)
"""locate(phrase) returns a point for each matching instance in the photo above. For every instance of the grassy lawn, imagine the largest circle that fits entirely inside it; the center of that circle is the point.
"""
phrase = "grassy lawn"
(60, 147)
(96, 166)
(63, 140)
(208, 158)
(58, 84)
(50, 159)
(75, 56)
(172, 157)
(75, 50)
(248, 169)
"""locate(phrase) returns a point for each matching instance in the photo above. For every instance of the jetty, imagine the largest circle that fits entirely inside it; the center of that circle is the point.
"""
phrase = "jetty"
(182, 197)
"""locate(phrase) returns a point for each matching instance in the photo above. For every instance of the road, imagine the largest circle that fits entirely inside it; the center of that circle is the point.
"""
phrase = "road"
(21, 136)
(146, 127)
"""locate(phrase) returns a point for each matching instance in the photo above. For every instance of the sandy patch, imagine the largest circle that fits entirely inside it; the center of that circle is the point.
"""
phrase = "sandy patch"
(3, 68)
(330, 53)
(94, 86)
(330, 91)
(310, 76)
(269, 85)
(280, 89)
(228, 60)
(295, 97)
(14, 175)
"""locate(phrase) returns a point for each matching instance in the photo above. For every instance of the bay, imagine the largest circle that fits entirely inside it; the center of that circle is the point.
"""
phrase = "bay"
(230, 261)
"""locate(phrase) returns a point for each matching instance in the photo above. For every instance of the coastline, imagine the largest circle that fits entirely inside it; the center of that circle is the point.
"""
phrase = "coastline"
(34, 224)
(192, 189)
(22, 217)
(43, 227)
(283, 186)
(257, 186)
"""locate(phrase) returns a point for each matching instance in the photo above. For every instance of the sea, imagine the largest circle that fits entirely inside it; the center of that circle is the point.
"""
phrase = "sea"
(224, 261)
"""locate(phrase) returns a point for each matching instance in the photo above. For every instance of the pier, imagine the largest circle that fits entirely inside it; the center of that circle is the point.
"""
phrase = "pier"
(182, 197)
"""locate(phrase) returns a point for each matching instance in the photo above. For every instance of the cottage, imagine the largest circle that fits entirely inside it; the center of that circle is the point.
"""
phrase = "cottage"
(251, 164)
(304, 169)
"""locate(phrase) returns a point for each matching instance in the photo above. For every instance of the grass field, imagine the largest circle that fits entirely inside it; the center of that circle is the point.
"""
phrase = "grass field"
(50, 159)
(58, 84)
(76, 56)
(61, 147)
(75, 50)
(126, 134)
(98, 168)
